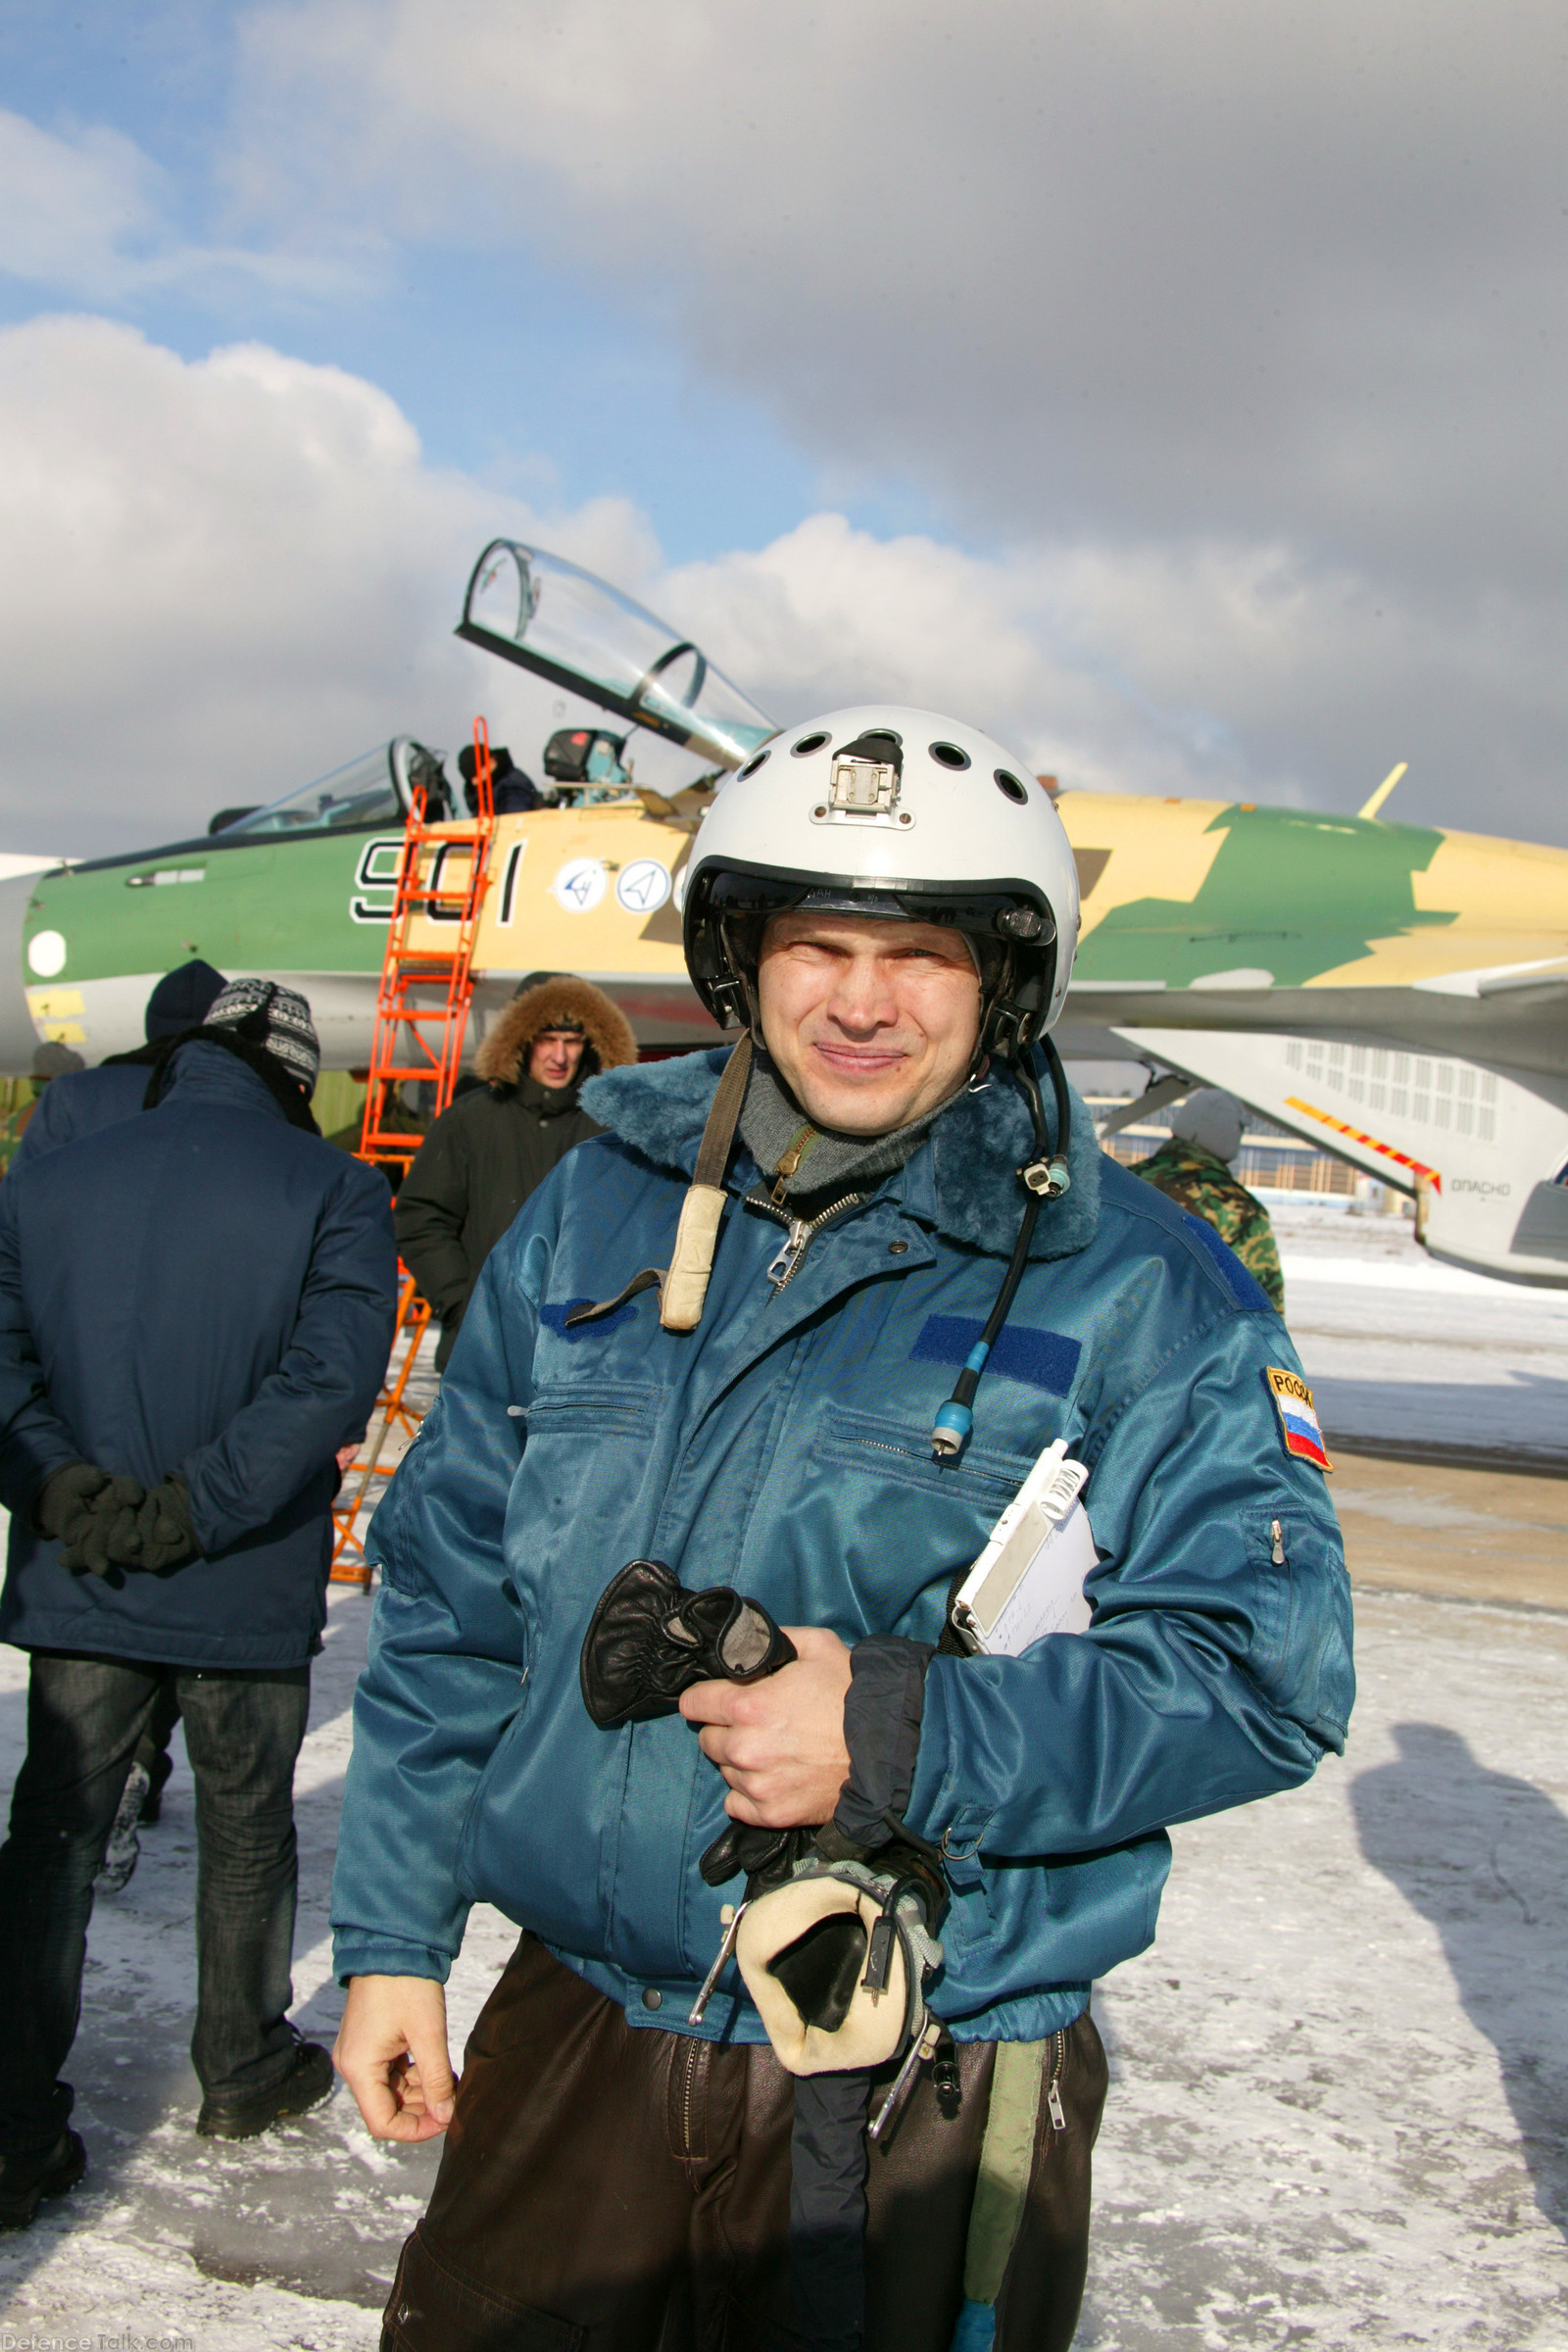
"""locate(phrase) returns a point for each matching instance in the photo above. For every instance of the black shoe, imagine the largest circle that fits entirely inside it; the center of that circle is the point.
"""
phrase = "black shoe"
(123, 1849)
(25, 2180)
(309, 2081)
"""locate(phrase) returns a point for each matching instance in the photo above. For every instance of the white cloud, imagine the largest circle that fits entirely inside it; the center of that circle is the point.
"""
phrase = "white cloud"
(88, 215)
(1202, 264)
(70, 206)
(1106, 664)
(1244, 327)
(224, 579)
(226, 576)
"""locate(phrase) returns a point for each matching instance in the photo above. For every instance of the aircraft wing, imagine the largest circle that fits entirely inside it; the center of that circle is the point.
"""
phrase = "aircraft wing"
(1228, 919)
(1484, 1156)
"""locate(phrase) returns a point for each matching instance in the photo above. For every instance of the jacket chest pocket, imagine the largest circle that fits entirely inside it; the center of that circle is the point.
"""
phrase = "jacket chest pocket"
(573, 1410)
(589, 1450)
(904, 1522)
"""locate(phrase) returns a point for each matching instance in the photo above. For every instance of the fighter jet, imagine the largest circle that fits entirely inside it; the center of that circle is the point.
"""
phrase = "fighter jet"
(1396, 992)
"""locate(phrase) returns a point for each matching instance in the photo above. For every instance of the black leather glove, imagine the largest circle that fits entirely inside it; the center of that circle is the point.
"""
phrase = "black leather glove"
(767, 1856)
(650, 1640)
(89, 1513)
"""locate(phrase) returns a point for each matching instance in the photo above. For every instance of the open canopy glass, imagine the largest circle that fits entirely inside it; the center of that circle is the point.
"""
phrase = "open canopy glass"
(578, 632)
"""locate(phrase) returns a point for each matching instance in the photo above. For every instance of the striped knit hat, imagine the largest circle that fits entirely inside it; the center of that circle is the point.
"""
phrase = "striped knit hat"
(286, 1030)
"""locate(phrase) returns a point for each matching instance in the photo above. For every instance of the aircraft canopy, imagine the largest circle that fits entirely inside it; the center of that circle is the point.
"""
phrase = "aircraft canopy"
(548, 616)
(373, 790)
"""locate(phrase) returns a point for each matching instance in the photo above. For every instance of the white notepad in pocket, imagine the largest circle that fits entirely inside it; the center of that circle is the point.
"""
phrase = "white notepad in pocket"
(1029, 1580)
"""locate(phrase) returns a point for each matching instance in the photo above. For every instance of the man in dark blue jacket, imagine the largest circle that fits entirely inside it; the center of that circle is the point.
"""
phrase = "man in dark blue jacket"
(77, 1103)
(196, 1307)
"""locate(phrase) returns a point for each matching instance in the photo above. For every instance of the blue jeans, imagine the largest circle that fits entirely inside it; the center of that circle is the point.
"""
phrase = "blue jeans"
(84, 1719)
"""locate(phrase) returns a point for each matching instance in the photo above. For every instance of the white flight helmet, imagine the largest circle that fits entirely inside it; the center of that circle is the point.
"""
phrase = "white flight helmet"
(882, 810)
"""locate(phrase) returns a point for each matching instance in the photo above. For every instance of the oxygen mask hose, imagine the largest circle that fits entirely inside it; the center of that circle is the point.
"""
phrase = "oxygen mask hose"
(1046, 1178)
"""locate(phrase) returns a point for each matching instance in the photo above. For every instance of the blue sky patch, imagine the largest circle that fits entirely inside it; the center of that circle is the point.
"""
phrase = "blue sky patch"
(1040, 1360)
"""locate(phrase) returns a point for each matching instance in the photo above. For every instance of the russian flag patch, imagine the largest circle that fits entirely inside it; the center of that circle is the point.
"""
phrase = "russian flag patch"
(1300, 1426)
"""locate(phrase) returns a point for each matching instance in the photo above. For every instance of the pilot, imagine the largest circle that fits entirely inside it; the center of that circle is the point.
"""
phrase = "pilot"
(515, 793)
(1196, 1169)
(666, 1621)
(500, 1139)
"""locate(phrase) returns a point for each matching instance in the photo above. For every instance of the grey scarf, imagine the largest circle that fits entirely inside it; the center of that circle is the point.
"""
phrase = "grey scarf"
(808, 1160)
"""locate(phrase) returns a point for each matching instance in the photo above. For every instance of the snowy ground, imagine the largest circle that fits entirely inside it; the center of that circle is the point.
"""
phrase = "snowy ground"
(1399, 1347)
(1340, 2103)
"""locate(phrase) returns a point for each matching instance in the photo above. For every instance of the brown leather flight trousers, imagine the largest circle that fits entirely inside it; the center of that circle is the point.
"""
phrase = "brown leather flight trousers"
(615, 2188)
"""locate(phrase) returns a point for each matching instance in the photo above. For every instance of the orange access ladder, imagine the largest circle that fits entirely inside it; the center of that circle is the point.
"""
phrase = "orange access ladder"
(422, 1014)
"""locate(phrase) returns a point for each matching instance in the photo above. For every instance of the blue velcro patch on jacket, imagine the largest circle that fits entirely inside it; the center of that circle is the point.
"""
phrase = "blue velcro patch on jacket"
(554, 1318)
(1042, 1359)
(1241, 1285)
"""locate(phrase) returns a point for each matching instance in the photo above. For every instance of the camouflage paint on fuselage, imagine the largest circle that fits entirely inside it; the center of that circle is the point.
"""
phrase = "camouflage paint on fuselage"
(1238, 918)
(1285, 893)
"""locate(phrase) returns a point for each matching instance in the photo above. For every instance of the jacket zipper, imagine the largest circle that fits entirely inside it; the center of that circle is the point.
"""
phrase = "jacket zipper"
(687, 2060)
(799, 1232)
(1054, 2065)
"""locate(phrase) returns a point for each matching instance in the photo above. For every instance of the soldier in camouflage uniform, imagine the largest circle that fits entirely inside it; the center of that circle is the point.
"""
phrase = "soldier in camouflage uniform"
(1193, 1169)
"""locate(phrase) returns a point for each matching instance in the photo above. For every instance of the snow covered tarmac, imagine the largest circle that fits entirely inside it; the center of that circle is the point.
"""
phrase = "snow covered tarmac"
(1339, 2106)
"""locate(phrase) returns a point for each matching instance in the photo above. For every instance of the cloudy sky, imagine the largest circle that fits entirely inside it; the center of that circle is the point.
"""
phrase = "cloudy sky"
(1175, 389)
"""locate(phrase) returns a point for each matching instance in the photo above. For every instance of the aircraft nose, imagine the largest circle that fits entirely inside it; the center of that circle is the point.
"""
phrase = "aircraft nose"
(18, 1039)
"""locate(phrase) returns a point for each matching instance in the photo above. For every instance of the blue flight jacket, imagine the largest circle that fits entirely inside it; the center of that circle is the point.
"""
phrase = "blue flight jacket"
(784, 1448)
(202, 1289)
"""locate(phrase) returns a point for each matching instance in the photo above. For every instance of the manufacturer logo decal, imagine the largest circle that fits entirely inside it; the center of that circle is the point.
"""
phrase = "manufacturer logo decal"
(643, 886)
(580, 885)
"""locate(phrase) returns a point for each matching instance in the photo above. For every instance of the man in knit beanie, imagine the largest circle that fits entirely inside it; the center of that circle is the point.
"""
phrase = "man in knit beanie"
(278, 1019)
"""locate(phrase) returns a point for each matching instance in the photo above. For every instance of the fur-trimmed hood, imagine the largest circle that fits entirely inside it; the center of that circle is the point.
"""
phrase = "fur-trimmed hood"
(962, 1179)
(559, 1002)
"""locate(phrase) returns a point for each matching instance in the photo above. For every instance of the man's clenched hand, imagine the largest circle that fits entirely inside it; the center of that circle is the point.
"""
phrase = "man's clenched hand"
(391, 2051)
(779, 1743)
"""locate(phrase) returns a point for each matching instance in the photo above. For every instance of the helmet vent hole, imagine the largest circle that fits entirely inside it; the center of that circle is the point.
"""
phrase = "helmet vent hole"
(753, 762)
(948, 754)
(809, 744)
(1009, 784)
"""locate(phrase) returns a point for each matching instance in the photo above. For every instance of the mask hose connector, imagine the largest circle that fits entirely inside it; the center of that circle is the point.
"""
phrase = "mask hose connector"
(1046, 1178)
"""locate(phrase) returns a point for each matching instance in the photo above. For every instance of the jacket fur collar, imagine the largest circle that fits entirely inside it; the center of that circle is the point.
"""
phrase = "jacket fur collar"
(962, 1180)
(502, 1057)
